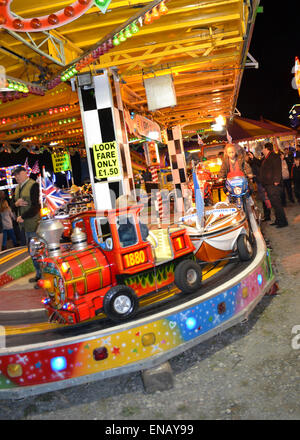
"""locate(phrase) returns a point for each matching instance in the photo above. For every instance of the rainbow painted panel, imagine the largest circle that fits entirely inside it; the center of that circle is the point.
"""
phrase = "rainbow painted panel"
(127, 347)
(205, 316)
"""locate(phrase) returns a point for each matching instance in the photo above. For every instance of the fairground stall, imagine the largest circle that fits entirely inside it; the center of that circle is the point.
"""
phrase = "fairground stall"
(128, 281)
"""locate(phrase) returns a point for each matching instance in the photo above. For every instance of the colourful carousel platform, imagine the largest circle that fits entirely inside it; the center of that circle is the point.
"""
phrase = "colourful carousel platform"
(38, 357)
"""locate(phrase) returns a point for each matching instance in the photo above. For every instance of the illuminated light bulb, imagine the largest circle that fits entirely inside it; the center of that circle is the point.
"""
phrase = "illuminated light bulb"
(44, 211)
(217, 127)
(220, 120)
(116, 41)
(191, 323)
(58, 363)
(128, 33)
(110, 44)
(163, 10)
(134, 28)
(122, 38)
(147, 18)
(155, 13)
(65, 267)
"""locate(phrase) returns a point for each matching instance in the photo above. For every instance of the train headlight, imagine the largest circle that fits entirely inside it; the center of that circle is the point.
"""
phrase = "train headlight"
(237, 191)
(36, 247)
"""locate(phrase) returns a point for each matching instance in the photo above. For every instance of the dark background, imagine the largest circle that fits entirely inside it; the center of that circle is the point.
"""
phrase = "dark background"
(275, 43)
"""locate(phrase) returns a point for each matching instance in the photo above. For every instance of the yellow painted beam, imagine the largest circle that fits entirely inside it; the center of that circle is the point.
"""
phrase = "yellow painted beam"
(161, 27)
(231, 62)
(135, 60)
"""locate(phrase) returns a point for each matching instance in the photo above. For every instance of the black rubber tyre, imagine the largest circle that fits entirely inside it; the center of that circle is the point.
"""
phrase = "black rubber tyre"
(188, 276)
(120, 303)
(244, 248)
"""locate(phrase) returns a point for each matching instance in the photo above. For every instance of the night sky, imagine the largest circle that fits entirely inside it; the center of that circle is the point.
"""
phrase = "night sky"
(275, 43)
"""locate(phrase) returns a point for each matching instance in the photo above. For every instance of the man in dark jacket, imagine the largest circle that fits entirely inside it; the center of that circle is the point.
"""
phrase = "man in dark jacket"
(271, 179)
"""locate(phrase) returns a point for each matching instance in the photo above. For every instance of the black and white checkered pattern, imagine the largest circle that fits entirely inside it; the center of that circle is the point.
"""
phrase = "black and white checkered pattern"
(103, 121)
(178, 164)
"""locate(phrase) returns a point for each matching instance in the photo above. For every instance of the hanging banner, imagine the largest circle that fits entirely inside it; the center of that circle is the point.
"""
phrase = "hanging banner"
(106, 160)
(61, 161)
(147, 128)
(140, 126)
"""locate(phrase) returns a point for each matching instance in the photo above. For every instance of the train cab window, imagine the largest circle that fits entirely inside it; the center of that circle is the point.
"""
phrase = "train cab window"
(127, 230)
(101, 232)
(144, 231)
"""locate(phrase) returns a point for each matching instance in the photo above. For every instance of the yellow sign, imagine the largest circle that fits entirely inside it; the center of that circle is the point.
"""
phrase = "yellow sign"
(106, 160)
(61, 161)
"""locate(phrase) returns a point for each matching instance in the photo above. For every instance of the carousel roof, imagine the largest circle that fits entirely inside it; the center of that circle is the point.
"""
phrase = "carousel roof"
(244, 129)
(203, 45)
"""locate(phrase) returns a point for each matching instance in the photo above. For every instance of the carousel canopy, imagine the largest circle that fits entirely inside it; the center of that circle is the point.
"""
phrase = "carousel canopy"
(203, 46)
(243, 129)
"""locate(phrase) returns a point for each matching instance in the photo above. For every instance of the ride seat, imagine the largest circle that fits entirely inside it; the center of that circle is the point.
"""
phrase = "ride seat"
(162, 249)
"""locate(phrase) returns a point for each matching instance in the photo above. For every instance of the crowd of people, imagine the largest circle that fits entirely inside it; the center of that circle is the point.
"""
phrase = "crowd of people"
(276, 176)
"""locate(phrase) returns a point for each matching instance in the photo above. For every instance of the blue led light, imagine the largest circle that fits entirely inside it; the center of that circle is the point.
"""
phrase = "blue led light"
(191, 323)
(58, 363)
(259, 279)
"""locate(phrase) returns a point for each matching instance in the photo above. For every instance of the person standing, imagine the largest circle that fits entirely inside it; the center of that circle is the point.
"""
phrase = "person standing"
(4, 198)
(271, 179)
(7, 217)
(255, 164)
(286, 167)
(234, 165)
(296, 176)
(27, 207)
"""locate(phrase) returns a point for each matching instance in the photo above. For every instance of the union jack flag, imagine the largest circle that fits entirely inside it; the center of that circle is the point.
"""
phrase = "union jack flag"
(36, 168)
(53, 197)
(200, 141)
(26, 166)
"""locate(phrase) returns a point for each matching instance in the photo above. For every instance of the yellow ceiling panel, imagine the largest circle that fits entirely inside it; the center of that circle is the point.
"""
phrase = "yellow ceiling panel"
(202, 44)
